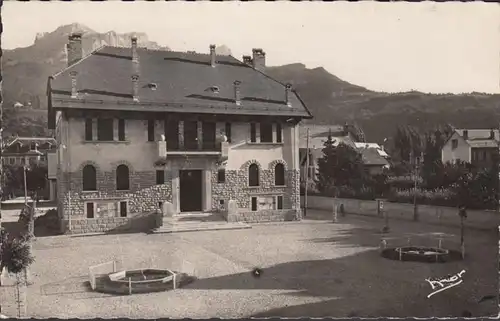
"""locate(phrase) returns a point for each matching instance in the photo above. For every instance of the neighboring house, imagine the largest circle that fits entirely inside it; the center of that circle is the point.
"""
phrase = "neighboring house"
(380, 149)
(373, 162)
(475, 146)
(137, 128)
(31, 150)
(27, 150)
(318, 134)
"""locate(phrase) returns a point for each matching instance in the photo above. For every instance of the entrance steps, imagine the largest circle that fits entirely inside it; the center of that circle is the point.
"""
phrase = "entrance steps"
(191, 222)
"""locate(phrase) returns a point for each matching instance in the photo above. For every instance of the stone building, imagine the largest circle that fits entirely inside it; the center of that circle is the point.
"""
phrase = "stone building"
(137, 129)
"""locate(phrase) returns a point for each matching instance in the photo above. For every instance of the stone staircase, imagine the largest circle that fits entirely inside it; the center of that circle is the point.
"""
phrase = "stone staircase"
(190, 222)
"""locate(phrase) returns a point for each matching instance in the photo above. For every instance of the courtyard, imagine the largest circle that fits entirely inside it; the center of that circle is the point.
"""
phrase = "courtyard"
(311, 268)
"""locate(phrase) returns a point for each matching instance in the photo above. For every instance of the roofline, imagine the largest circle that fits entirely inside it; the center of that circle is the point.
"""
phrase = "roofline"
(279, 82)
(79, 61)
(174, 107)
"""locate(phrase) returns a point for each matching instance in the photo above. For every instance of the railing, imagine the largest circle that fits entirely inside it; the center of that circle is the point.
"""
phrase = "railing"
(100, 269)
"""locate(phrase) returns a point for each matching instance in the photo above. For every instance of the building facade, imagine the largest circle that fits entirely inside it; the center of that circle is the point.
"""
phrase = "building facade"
(476, 146)
(139, 128)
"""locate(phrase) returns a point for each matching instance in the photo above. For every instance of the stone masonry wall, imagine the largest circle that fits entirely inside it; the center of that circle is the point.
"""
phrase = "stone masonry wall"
(236, 188)
(143, 197)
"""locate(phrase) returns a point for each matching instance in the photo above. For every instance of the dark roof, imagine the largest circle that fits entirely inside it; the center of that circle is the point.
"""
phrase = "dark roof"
(371, 157)
(183, 81)
(26, 145)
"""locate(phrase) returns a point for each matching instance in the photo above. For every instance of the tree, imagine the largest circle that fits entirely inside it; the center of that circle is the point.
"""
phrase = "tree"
(326, 164)
(36, 179)
(340, 165)
(15, 253)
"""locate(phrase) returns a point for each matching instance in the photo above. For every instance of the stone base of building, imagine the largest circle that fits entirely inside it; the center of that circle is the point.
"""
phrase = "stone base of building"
(137, 223)
(263, 216)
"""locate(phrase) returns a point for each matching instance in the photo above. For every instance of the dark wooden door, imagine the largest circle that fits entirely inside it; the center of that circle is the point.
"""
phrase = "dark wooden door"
(190, 190)
(191, 135)
(208, 129)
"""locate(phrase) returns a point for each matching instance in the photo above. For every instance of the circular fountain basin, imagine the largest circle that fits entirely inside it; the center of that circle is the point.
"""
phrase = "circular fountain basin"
(141, 281)
(421, 254)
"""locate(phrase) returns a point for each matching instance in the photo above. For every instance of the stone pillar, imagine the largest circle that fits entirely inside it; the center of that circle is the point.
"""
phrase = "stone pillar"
(257, 132)
(181, 134)
(175, 190)
(207, 189)
(199, 135)
(274, 132)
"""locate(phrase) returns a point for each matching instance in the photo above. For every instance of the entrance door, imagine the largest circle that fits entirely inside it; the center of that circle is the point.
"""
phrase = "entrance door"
(190, 190)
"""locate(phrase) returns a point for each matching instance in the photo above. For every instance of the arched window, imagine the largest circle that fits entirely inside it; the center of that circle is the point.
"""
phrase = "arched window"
(122, 178)
(279, 175)
(253, 175)
(89, 178)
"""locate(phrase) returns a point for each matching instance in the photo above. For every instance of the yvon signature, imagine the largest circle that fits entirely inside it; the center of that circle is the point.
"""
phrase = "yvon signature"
(439, 285)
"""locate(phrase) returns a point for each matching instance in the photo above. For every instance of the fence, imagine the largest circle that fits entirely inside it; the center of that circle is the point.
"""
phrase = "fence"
(434, 240)
(100, 269)
(438, 215)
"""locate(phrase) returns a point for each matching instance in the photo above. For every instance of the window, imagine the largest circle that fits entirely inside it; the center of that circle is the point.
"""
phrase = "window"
(253, 175)
(160, 177)
(89, 136)
(123, 209)
(280, 202)
(151, 130)
(454, 143)
(171, 129)
(266, 133)
(122, 178)
(121, 130)
(279, 175)
(221, 176)
(279, 135)
(12, 160)
(228, 132)
(254, 203)
(105, 129)
(90, 210)
(253, 133)
(89, 178)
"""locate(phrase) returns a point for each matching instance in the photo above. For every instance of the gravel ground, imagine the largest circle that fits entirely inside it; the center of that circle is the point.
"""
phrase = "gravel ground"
(310, 268)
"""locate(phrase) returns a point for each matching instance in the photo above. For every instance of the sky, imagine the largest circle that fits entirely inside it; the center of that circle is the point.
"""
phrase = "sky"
(391, 47)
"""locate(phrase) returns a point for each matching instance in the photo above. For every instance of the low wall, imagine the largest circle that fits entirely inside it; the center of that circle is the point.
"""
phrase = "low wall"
(261, 216)
(136, 223)
(440, 215)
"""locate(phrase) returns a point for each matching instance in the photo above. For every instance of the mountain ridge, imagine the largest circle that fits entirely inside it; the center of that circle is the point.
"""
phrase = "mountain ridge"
(330, 99)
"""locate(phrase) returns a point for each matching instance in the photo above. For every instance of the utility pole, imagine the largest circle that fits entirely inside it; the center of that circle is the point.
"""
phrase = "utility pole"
(307, 173)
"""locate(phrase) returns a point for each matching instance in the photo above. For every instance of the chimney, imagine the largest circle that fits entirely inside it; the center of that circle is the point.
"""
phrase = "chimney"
(135, 57)
(288, 95)
(247, 60)
(212, 55)
(259, 58)
(345, 129)
(135, 87)
(237, 93)
(74, 92)
(74, 48)
(492, 134)
(466, 134)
